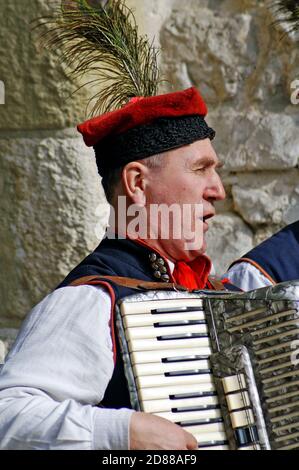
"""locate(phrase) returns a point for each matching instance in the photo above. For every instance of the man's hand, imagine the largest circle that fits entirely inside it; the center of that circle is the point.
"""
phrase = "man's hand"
(149, 432)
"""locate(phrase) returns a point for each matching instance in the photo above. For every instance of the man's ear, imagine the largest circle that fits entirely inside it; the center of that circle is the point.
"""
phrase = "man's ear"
(134, 177)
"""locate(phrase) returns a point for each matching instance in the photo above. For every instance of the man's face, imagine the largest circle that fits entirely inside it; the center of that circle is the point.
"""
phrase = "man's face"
(188, 180)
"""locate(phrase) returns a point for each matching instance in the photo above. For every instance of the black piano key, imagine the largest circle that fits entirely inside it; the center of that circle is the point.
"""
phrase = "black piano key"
(182, 396)
(245, 436)
(176, 310)
(179, 373)
(199, 422)
(179, 323)
(202, 445)
(195, 408)
(182, 336)
(168, 360)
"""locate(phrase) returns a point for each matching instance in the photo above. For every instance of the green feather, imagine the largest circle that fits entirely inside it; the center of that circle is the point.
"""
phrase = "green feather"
(287, 12)
(103, 40)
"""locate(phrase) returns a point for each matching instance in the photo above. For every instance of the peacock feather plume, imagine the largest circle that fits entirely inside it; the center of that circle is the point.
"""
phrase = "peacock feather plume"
(287, 12)
(101, 38)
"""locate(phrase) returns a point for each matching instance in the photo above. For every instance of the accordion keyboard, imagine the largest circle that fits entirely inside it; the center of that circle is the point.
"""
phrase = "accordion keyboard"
(223, 366)
(169, 349)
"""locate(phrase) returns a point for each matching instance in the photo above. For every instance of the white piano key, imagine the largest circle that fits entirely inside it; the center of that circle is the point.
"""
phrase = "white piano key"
(154, 344)
(156, 406)
(236, 401)
(241, 419)
(153, 332)
(149, 319)
(162, 381)
(190, 415)
(156, 393)
(204, 429)
(209, 437)
(160, 367)
(133, 308)
(233, 383)
(143, 357)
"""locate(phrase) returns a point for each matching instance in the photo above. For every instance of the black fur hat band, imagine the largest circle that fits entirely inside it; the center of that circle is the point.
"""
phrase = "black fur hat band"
(150, 139)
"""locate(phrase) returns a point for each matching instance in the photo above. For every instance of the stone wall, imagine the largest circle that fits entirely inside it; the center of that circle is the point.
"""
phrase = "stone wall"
(50, 209)
(49, 187)
(244, 67)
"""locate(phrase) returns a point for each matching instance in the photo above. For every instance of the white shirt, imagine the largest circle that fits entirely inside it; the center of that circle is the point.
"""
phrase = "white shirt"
(57, 370)
(246, 276)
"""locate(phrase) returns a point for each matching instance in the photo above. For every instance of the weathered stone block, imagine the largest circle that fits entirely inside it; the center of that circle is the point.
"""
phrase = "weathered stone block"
(37, 87)
(209, 49)
(228, 238)
(51, 201)
(267, 198)
(49, 189)
(255, 140)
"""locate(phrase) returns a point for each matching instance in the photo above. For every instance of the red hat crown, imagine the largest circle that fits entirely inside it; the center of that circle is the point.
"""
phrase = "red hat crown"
(140, 111)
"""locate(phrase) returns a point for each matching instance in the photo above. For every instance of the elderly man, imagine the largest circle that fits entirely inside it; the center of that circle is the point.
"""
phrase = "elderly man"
(65, 361)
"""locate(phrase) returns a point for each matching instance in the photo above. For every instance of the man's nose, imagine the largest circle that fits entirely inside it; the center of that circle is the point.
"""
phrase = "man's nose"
(221, 190)
(216, 189)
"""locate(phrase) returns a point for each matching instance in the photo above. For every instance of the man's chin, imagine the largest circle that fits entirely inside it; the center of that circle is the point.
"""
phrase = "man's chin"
(203, 247)
(192, 251)
(182, 250)
(198, 246)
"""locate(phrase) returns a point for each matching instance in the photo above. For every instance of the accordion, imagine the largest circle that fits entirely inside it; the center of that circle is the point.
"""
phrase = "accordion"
(222, 365)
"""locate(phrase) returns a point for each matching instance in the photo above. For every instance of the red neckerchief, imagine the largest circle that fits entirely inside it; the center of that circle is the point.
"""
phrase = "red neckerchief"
(192, 275)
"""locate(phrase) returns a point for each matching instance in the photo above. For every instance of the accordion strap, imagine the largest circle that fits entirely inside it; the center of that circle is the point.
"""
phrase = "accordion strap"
(217, 284)
(137, 284)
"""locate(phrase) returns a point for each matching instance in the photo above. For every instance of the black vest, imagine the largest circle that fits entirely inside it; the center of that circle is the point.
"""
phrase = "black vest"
(117, 258)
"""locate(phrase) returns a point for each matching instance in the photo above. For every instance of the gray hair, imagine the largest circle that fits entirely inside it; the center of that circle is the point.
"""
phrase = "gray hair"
(112, 179)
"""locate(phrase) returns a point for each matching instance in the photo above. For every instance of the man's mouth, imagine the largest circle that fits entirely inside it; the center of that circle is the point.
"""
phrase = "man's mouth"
(204, 219)
(208, 216)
